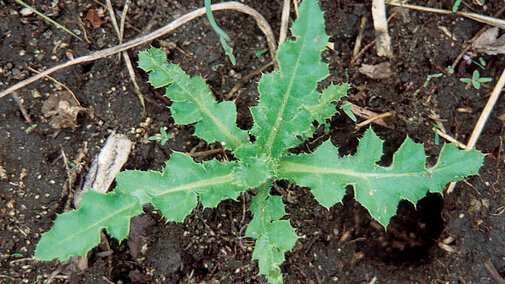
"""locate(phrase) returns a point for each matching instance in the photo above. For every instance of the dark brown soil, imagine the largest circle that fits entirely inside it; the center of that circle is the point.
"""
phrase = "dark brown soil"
(441, 240)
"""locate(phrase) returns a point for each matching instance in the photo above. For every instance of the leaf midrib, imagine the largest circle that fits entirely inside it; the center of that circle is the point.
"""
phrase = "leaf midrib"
(98, 223)
(280, 113)
(201, 183)
(290, 167)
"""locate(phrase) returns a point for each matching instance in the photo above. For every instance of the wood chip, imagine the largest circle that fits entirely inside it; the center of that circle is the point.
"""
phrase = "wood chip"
(378, 71)
(106, 166)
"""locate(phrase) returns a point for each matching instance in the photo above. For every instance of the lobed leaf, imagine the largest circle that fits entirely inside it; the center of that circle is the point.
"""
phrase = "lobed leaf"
(76, 232)
(324, 109)
(193, 102)
(283, 113)
(379, 189)
(273, 236)
(175, 190)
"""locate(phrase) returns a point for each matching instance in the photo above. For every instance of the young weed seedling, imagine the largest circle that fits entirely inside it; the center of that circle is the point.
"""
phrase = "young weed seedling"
(476, 80)
(163, 136)
(284, 117)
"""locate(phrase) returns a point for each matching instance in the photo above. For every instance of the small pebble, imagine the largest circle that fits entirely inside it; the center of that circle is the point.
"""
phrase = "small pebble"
(25, 12)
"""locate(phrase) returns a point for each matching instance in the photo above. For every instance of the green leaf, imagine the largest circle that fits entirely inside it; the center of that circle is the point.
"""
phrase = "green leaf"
(485, 79)
(174, 191)
(325, 109)
(283, 114)
(228, 50)
(254, 168)
(455, 6)
(260, 52)
(378, 188)
(76, 232)
(346, 108)
(273, 236)
(476, 84)
(475, 75)
(193, 102)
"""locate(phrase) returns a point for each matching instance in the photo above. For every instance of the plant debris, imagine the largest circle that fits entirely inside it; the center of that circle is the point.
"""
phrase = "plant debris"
(63, 109)
(489, 42)
(94, 17)
(106, 165)
(377, 71)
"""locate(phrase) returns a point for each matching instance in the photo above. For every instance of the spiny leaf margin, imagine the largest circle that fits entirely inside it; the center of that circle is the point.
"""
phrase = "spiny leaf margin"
(282, 114)
(78, 231)
(379, 189)
(193, 101)
(175, 190)
(274, 237)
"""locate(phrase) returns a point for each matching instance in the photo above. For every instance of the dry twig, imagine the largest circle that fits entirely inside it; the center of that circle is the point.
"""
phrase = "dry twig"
(368, 114)
(474, 16)
(126, 57)
(59, 83)
(383, 44)
(449, 138)
(492, 270)
(21, 107)
(284, 21)
(260, 20)
(354, 58)
(372, 119)
(205, 153)
(359, 38)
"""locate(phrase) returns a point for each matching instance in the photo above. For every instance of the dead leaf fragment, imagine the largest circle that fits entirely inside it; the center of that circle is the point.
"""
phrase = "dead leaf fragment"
(489, 42)
(378, 71)
(502, 117)
(94, 18)
(63, 109)
(447, 248)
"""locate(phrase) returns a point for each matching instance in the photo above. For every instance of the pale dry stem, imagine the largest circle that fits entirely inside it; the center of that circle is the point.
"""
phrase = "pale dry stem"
(284, 21)
(261, 21)
(383, 44)
(372, 119)
(126, 57)
(474, 16)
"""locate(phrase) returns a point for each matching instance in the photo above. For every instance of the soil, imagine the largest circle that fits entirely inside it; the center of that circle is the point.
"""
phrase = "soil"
(458, 238)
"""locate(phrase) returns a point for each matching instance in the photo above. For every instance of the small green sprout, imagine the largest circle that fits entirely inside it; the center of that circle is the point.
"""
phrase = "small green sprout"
(163, 136)
(456, 5)
(437, 138)
(428, 79)
(30, 128)
(476, 80)
(223, 36)
(482, 62)
(346, 108)
(48, 19)
(260, 52)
